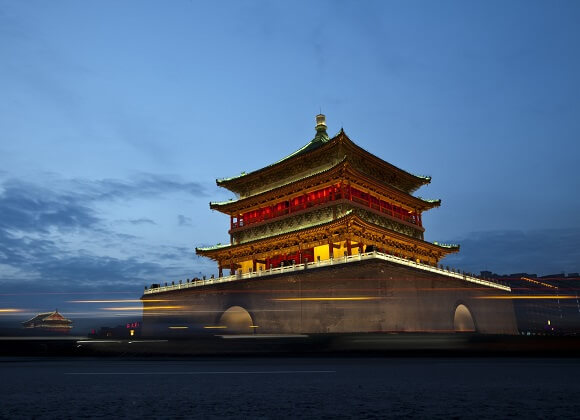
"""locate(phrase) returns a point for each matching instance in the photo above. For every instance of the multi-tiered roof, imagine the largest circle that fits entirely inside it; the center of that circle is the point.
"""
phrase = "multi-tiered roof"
(51, 321)
(330, 196)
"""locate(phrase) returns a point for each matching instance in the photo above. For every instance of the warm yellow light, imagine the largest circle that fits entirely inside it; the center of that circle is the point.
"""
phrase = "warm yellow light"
(325, 299)
(178, 327)
(138, 308)
(528, 297)
(9, 310)
(116, 301)
(132, 332)
(254, 326)
(539, 282)
(548, 322)
(211, 327)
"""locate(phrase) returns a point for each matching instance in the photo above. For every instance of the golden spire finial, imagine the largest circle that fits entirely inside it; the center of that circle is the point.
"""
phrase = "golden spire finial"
(320, 122)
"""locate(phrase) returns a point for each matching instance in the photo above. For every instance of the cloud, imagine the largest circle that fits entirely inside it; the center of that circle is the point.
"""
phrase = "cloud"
(141, 186)
(68, 204)
(98, 270)
(546, 251)
(174, 253)
(49, 267)
(45, 227)
(22, 251)
(44, 260)
(142, 221)
(183, 220)
(28, 207)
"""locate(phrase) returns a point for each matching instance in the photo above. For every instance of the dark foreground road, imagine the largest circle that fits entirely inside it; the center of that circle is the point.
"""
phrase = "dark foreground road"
(319, 387)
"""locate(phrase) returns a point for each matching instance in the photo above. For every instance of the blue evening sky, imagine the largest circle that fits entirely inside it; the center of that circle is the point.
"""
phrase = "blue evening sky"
(117, 117)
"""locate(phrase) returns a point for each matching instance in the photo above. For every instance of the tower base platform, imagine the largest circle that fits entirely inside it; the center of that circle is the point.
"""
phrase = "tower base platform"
(370, 293)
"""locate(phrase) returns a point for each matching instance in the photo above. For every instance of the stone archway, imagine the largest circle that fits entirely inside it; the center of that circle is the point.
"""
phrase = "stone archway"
(237, 320)
(463, 320)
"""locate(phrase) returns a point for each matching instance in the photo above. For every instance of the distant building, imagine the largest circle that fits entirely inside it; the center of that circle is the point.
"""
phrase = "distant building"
(49, 321)
(546, 305)
(129, 330)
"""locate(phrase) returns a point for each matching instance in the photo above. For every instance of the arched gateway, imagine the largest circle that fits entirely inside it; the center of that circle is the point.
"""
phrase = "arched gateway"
(237, 320)
(463, 320)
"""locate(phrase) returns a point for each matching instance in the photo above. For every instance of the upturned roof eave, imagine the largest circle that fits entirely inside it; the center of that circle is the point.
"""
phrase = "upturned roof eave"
(306, 150)
(430, 203)
(452, 247)
(223, 206)
(421, 179)
(200, 251)
(351, 214)
(45, 316)
(311, 146)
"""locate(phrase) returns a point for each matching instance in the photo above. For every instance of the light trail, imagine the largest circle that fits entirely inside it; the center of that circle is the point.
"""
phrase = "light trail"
(10, 310)
(326, 299)
(260, 336)
(522, 297)
(117, 301)
(65, 293)
(138, 308)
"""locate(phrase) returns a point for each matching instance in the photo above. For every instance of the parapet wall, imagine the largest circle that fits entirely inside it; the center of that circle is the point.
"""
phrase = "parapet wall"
(365, 296)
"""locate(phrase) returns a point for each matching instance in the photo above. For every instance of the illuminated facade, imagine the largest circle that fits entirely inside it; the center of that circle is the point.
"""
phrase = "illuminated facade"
(49, 321)
(328, 240)
(329, 199)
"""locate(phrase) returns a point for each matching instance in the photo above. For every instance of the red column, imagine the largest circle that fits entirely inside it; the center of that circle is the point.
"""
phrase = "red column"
(348, 248)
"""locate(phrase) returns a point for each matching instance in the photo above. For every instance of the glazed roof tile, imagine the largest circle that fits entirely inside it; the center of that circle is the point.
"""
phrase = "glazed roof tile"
(347, 214)
(48, 316)
(215, 204)
(214, 247)
(314, 144)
